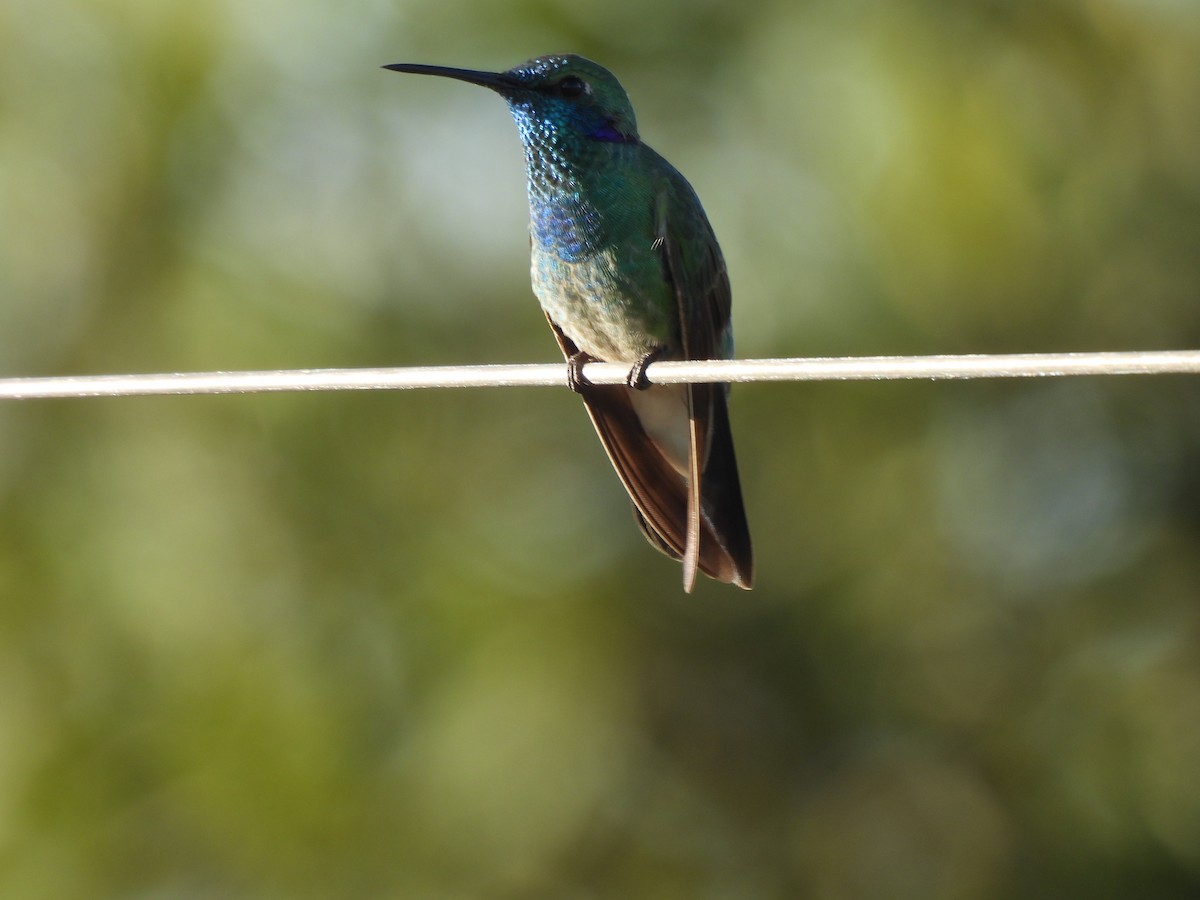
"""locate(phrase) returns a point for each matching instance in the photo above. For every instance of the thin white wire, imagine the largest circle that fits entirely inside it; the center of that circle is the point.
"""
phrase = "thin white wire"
(1023, 365)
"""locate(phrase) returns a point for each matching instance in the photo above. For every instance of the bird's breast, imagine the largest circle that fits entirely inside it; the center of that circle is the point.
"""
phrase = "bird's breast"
(571, 231)
(612, 303)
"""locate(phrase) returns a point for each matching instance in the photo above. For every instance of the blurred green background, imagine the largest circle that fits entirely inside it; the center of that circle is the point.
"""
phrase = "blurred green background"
(412, 645)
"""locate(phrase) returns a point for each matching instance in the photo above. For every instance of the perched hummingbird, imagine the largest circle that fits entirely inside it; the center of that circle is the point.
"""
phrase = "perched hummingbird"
(627, 270)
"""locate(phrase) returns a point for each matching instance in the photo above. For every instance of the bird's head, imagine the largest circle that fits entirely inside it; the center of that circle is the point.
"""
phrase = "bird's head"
(554, 98)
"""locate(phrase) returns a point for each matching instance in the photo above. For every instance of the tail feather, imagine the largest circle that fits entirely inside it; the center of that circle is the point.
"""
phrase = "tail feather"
(674, 497)
(661, 495)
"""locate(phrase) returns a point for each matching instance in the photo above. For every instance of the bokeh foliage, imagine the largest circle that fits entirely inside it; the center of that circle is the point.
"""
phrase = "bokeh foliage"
(411, 645)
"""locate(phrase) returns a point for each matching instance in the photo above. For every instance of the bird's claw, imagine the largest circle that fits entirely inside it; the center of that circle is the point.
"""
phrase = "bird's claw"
(637, 379)
(575, 377)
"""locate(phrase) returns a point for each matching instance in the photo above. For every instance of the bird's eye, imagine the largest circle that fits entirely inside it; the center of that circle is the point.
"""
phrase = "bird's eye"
(572, 86)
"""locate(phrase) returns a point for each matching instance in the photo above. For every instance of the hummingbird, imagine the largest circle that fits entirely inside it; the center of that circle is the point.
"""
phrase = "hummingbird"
(627, 270)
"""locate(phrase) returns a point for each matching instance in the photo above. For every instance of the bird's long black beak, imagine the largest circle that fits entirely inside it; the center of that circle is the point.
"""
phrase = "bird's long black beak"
(497, 81)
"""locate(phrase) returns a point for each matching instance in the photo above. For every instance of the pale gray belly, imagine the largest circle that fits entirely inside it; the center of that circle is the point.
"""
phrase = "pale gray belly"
(605, 308)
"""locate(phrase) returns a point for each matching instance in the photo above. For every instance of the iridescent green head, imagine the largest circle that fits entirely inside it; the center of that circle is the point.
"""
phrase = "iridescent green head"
(554, 98)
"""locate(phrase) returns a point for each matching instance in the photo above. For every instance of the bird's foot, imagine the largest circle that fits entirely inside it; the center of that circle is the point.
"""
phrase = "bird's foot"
(637, 375)
(575, 377)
